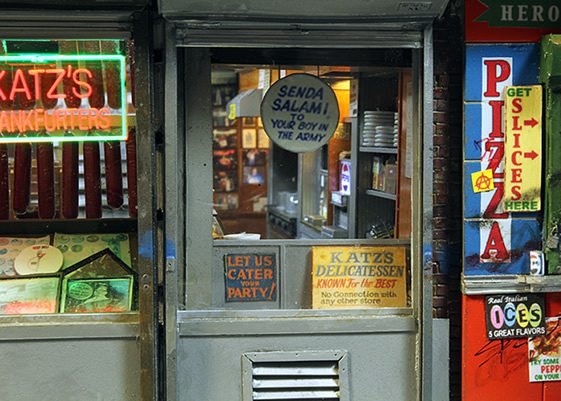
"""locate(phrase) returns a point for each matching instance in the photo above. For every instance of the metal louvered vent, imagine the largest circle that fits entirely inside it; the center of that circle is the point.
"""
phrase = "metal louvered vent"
(291, 376)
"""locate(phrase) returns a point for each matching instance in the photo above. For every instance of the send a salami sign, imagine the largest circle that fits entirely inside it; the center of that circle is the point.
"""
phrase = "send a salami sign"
(300, 113)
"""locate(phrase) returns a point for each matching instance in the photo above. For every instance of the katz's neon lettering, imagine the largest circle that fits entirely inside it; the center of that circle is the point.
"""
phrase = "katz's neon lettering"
(51, 93)
(83, 84)
(2, 94)
(37, 75)
(19, 79)
(31, 84)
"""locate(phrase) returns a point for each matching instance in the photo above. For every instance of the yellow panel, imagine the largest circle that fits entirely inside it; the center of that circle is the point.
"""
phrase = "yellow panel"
(523, 148)
(359, 277)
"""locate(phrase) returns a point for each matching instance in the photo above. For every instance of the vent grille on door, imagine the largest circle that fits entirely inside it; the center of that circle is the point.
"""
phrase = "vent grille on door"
(296, 379)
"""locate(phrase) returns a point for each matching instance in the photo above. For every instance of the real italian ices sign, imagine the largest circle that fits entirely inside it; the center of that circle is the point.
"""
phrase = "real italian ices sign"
(514, 316)
(300, 113)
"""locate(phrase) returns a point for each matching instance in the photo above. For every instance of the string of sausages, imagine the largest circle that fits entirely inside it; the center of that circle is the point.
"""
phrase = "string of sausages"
(106, 81)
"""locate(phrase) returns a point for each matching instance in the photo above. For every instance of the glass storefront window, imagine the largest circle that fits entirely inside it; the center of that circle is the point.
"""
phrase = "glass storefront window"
(327, 228)
(68, 189)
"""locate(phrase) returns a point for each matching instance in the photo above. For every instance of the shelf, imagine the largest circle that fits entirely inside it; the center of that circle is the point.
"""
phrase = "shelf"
(392, 151)
(509, 284)
(380, 194)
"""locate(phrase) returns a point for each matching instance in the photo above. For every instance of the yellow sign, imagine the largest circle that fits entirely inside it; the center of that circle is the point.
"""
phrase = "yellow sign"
(482, 181)
(232, 111)
(359, 277)
(523, 148)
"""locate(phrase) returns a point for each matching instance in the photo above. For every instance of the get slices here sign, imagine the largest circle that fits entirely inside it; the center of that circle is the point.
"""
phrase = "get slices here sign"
(523, 148)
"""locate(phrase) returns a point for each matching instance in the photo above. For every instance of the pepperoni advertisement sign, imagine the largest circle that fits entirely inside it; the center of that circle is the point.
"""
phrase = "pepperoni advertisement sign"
(46, 98)
(300, 113)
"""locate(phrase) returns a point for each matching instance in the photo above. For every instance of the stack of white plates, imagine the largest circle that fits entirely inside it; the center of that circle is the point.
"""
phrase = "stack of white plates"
(379, 129)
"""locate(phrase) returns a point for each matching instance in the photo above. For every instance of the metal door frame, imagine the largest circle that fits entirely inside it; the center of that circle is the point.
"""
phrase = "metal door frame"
(175, 202)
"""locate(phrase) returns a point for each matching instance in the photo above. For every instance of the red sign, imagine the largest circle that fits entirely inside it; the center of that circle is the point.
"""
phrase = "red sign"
(511, 21)
(45, 98)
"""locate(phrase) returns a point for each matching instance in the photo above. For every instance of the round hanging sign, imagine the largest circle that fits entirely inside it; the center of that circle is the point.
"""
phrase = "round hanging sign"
(300, 113)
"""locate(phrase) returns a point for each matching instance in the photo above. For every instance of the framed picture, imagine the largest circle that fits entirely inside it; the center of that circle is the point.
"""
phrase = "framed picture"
(254, 157)
(226, 201)
(254, 175)
(225, 139)
(95, 295)
(225, 181)
(226, 159)
(249, 121)
(263, 139)
(249, 138)
(19, 296)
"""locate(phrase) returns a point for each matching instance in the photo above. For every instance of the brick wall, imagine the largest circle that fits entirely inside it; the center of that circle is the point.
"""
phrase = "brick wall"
(447, 180)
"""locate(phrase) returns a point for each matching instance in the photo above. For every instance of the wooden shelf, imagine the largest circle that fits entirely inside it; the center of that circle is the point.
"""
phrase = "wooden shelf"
(391, 151)
(380, 194)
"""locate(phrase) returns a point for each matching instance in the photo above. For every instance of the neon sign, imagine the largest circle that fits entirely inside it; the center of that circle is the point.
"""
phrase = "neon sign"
(62, 98)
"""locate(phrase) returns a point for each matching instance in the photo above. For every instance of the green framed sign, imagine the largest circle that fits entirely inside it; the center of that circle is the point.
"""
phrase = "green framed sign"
(62, 98)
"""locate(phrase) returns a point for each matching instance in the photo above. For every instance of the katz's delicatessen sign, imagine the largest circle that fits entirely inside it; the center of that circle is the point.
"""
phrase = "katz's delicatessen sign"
(46, 98)
(359, 277)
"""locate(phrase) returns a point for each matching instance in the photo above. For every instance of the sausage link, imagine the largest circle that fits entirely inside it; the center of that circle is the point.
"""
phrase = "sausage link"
(69, 180)
(46, 180)
(22, 178)
(92, 177)
(113, 174)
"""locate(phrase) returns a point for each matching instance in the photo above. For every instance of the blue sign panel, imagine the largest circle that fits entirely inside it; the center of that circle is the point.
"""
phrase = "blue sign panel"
(250, 277)
(489, 66)
(499, 246)
(494, 241)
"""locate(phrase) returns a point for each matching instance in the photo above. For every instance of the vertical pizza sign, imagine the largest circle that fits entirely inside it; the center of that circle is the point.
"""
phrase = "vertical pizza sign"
(523, 142)
(501, 165)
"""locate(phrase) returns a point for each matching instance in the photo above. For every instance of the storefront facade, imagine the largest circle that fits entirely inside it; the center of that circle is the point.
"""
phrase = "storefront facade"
(78, 317)
(510, 227)
(335, 301)
(266, 319)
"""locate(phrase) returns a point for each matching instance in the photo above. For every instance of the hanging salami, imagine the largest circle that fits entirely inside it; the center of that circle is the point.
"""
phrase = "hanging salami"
(22, 178)
(69, 180)
(113, 174)
(92, 178)
(46, 180)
